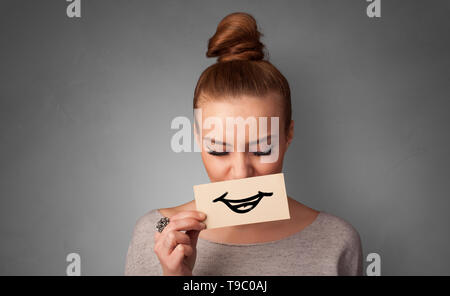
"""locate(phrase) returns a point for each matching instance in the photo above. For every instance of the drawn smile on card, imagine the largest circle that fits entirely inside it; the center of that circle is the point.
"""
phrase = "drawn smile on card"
(244, 205)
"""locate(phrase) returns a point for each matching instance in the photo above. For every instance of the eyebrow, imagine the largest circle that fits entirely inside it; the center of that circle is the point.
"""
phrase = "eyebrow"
(250, 143)
(261, 140)
(216, 141)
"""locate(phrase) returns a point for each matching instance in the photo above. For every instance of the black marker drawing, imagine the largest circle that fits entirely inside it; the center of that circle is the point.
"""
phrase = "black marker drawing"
(244, 205)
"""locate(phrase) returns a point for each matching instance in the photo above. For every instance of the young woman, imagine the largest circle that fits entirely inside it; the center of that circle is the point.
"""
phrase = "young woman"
(243, 84)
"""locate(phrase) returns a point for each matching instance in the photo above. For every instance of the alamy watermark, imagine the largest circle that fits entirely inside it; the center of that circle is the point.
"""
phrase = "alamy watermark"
(374, 8)
(218, 142)
(74, 266)
(74, 8)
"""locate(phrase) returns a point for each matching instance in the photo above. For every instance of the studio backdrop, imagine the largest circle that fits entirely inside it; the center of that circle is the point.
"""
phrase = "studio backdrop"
(87, 102)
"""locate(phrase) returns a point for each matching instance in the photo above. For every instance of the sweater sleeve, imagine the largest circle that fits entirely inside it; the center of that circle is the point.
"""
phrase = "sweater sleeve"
(351, 258)
(141, 259)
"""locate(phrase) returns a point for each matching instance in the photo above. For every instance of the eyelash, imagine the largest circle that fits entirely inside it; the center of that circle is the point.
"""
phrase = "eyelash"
(257, 153)
(215, 153)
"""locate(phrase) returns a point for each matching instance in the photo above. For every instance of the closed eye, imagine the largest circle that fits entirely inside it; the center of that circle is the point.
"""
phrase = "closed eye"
(256, 153)
(262, 153)
(216, 153)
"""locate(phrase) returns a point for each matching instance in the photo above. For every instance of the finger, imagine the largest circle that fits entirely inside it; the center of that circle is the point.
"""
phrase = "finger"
(174, 238)
(189, 214)
(188, 250)
(193, 236)
(178, 254)
(184, 224)
(156, 236)
(171, 240)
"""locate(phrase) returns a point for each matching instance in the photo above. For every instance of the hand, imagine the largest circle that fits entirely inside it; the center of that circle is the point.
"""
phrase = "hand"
(176, 250)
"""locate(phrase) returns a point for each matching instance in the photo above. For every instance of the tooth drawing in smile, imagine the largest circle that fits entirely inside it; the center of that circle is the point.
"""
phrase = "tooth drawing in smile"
(244, 205)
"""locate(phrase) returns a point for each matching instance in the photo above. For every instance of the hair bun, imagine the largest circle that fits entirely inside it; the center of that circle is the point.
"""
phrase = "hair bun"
(236, 38)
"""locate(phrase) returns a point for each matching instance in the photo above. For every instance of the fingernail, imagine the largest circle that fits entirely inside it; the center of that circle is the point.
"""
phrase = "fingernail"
(203, 225)
(203, 215)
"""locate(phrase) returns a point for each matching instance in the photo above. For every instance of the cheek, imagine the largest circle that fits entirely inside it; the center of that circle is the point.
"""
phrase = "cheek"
(267, 168)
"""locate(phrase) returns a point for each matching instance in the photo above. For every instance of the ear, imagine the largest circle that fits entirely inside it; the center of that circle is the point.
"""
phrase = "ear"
(290, 134)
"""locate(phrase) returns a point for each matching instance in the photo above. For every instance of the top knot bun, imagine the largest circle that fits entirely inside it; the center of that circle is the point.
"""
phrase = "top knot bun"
(236, 38)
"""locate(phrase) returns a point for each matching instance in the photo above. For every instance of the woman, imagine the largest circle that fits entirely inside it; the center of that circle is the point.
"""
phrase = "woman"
(243, 84)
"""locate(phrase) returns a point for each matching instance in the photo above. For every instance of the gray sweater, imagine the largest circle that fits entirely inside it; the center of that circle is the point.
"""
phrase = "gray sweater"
(328, 246)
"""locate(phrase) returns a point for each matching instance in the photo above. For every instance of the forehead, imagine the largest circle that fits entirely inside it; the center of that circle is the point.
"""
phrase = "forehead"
(244, 106)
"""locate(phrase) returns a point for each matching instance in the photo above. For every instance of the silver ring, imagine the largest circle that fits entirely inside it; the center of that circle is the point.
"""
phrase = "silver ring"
(162, 223)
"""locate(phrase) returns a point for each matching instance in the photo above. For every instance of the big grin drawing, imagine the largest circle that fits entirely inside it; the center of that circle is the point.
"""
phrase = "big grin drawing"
(244, 205)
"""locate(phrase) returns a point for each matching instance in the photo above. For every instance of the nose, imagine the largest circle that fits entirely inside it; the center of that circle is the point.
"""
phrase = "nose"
(241, 166)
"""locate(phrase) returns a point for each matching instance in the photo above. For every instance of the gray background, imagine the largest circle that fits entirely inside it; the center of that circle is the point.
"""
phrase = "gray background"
(86, 106)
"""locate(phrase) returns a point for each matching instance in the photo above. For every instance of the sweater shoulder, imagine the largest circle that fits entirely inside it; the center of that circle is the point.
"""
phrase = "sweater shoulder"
(337, 229)
(148, 220)
(343, 240)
